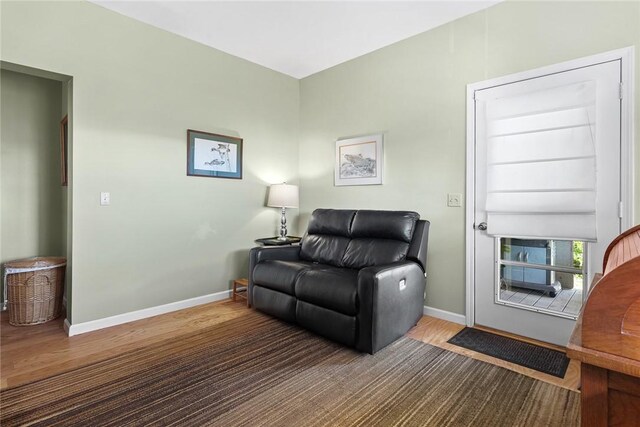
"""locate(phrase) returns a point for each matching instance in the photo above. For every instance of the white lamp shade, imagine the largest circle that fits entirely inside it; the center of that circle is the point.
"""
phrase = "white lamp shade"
(283, 196)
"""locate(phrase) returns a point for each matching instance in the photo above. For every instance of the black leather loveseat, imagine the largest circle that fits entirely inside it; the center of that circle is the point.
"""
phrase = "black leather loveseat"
(358, 277)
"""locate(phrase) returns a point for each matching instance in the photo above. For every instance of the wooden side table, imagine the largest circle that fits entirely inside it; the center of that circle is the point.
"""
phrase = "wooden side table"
(240, 289)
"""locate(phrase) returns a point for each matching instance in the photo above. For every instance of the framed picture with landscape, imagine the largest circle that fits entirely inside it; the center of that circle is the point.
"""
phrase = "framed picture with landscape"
(213, 155)
(359, 161)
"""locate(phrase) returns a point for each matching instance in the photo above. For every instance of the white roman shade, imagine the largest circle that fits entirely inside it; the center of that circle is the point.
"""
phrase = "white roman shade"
(541, 163)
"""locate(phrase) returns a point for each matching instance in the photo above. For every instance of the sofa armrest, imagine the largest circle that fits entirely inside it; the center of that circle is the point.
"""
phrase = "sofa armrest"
(418, 247)
(259, 254)
(391, 302)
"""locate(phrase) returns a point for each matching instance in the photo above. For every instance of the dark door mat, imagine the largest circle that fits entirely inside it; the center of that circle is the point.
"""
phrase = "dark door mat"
(546, 360)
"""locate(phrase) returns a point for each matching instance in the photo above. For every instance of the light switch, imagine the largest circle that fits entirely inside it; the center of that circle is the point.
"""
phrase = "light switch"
(454, 200)
(105, 199)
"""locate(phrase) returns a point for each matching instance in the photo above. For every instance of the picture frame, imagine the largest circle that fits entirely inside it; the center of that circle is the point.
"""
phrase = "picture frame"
(359, 160)
(213, 155)
(64, 151)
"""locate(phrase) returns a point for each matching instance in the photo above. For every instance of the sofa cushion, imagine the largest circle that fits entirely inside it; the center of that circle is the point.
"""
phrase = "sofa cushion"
(330, 287)
(366, 252)
(275, 303)
(328, 323)
(395, 225)
(331, 221)
(324, 249)
(279, 275)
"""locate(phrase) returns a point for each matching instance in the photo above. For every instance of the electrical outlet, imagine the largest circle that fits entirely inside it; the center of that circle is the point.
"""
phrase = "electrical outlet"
(454, 200)
(105, 199)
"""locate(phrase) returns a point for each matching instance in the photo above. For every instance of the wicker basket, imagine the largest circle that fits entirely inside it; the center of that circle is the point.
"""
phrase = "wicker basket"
(34, 289)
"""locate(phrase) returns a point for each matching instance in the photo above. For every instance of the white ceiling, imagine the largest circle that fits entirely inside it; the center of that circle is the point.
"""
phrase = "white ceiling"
(298, 38)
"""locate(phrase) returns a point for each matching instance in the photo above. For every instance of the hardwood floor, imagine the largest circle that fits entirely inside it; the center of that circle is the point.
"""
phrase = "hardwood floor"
(437, 332)
(29, 353)
(34, 352)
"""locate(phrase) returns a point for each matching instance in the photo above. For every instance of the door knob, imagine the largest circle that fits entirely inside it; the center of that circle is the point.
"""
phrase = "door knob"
(482, 226)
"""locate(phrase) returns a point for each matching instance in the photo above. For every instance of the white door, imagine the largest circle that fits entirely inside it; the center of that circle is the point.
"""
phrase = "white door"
(547, 197)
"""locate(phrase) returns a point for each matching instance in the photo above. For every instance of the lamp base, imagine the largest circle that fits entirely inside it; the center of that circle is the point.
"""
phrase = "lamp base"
(283, 225)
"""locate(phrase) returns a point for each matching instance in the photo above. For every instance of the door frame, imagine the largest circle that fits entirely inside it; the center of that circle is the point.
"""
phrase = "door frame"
(626, 57)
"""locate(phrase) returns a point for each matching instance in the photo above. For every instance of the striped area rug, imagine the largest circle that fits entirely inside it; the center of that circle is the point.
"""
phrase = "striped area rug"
(258, 371)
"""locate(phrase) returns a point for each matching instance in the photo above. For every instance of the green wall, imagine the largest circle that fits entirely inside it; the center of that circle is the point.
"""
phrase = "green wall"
(136, 90)
(31, 197)
(415, 92)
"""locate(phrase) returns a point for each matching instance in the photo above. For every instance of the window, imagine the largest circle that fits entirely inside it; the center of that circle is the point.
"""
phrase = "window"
(542, 275)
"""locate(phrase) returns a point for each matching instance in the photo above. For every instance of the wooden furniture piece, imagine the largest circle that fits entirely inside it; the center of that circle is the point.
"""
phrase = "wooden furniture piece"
(239, 290)
(606, 338)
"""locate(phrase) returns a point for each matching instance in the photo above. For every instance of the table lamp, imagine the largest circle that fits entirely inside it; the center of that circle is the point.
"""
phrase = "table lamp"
(283, 196)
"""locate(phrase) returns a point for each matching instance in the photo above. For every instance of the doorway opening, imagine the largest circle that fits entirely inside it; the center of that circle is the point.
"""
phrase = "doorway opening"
(541, 275)
(35, 178)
